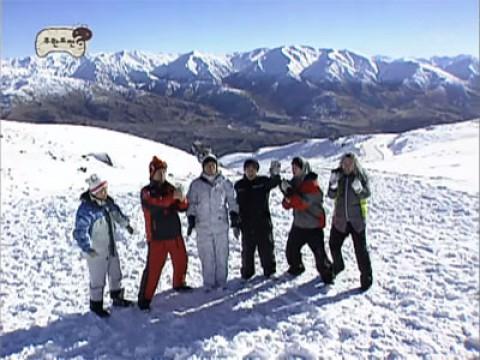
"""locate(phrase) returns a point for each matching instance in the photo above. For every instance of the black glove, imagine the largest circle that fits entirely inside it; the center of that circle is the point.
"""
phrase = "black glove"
(191, 224)
(234, 219)
(130, 229)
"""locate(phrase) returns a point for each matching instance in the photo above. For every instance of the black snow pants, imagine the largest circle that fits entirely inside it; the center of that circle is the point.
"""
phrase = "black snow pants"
(297, 238)
(337, 239)
(261, 239)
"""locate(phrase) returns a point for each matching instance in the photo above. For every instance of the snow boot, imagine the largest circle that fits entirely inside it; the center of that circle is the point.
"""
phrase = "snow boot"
(183, 288)
(337, 269)
(118, 299)
(97, 308)
(144, 304)
(246, 277)
(327, 277)
(269, 274)
(296, 271)
(365, 282)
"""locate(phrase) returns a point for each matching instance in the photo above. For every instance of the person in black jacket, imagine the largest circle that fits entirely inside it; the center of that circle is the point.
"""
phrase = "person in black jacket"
(253, 193)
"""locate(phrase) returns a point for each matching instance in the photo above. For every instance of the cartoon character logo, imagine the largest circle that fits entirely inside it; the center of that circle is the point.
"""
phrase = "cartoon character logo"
(63, 39)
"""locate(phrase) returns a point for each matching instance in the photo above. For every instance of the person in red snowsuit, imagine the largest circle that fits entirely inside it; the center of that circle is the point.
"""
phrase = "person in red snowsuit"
(161, 203)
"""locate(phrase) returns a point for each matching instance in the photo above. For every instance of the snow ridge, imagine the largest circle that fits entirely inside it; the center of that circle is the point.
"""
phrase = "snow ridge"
(303, 63)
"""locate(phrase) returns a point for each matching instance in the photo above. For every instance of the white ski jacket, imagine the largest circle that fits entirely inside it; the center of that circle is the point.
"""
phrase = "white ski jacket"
(210, 202)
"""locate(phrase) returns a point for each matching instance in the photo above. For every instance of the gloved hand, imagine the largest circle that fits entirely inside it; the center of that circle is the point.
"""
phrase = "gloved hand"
(275, 168)
(91, 253)
(130, 229)
(357, 186)
(334, 177)
(234, 219)
(286, 187)
(178, 193)
(191, 224)
(236, 232)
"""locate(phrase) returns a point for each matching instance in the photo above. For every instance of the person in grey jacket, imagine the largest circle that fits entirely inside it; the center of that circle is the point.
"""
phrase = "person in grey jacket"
(96, 236)
(349, 186)
(211, 200)
(304, 196)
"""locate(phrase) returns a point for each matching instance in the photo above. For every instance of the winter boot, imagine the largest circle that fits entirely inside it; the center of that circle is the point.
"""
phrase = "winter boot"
(144, 304)
(183, 288)
(365, 282)
(296, 271)
(97, 308)
(246, 277)
(327, 277)
(337, 269)
(269, 273)
(118, 299)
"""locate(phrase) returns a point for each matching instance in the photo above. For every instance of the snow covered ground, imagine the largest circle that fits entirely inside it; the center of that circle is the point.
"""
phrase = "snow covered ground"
(423, 234)
(444, 154)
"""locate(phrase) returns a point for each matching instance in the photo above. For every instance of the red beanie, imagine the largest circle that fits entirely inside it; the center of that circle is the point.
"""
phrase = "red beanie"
(156, 164)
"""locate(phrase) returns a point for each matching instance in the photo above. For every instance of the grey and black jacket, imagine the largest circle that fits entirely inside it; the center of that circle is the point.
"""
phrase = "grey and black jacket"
(350, 206)
(306, 199)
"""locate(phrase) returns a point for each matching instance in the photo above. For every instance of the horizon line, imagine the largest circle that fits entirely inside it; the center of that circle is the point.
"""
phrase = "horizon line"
(150, 52)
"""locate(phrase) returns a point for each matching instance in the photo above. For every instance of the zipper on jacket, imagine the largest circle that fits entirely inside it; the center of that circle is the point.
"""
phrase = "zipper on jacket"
(215, 257)
(154, 226)
(346, 198)
(111, 243)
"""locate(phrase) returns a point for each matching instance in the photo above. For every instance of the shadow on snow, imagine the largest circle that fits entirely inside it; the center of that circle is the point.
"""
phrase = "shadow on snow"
(176, 320)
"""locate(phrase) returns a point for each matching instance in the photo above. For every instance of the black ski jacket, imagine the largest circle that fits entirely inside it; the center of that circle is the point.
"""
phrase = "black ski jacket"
(253, 201)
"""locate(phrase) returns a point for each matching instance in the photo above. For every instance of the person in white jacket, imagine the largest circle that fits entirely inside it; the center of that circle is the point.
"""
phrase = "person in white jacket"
(211, 199)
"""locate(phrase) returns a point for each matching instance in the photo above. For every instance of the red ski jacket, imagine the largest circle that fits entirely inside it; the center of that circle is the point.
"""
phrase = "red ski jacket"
(306, 201)
(161, 212)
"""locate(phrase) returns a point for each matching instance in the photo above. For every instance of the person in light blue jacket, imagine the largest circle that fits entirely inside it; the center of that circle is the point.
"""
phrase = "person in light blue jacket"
(95, 233)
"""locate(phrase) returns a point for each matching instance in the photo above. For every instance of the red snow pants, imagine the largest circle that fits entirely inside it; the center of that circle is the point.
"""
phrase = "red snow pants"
(157, 255)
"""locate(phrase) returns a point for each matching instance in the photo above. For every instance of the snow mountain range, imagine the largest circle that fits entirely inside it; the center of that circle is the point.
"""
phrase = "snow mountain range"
(261, 97)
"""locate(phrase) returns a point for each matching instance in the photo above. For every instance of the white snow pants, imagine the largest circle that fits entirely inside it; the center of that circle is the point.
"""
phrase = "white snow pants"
(213, 254)
(98, 267)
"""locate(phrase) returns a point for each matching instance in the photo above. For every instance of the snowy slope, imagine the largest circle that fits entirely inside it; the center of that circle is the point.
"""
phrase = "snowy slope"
(125, 68)
(415, 73)
(32, 78)
(241, 60)
(423, 239)
(464, 67)
(195, 66)
(445, 154)
(56, 64)
(341, 66)
(286, 61)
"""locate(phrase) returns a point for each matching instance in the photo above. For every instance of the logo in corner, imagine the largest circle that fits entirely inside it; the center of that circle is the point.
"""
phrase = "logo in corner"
(62, 39)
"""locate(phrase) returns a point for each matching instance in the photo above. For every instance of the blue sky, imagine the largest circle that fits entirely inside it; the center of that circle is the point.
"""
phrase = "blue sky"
(417, 28)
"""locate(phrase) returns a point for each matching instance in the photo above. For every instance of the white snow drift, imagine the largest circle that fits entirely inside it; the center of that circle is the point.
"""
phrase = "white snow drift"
(423, 235)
